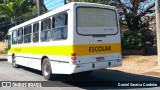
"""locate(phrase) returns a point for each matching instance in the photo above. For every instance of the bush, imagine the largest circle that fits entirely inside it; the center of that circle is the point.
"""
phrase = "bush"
(135, 39)
(2, 37)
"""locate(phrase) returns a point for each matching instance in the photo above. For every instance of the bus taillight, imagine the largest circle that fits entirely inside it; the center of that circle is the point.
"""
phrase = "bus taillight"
(73, 56)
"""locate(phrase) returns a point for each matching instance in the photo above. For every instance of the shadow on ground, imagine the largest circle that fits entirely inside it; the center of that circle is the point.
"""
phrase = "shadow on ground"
(98, 79)
(104, 78)
(2, 60)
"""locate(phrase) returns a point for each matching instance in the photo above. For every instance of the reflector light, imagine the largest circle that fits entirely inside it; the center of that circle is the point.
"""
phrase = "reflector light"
(73, 57)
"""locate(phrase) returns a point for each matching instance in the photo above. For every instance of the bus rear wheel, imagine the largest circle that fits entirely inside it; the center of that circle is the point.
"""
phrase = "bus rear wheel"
(46, 69)
(14, 64)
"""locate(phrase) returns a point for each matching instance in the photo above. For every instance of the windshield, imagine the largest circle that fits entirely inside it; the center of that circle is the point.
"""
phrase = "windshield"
(96, 21)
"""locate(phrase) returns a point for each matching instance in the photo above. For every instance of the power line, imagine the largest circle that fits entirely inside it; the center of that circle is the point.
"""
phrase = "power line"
(54, 4)
(49, 2)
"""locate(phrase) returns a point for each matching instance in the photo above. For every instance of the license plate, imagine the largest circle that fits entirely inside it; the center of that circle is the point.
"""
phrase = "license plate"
(100, 59)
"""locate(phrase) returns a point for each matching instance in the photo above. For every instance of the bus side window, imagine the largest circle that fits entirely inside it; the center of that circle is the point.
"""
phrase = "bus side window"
(61, 29)
(59, 20)
(27, 34)
(53, 22)
(45, 30)
(20, 35)
(46, 24)
(36, 32)
(66, 19)
(14, 37)
(65, 29)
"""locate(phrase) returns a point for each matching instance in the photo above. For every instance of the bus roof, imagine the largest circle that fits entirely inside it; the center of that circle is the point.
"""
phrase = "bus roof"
(58, 10)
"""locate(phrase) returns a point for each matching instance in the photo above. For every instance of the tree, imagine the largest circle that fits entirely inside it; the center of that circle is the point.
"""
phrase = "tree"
(134, 13)
(12, 9)
(134, 10)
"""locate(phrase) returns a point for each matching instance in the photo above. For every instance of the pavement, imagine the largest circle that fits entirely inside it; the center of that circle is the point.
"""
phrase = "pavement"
(154, 72)
(3, 57)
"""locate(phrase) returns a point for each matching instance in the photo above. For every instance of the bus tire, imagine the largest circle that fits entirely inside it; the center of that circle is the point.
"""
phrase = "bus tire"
(46, 69)
(14, 64)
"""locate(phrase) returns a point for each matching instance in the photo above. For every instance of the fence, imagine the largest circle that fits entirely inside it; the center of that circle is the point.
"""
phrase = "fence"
(151, 50)
(133, 51)
(148, 50)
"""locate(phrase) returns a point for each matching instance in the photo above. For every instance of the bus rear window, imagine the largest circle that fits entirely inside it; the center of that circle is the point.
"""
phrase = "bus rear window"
(96, 21)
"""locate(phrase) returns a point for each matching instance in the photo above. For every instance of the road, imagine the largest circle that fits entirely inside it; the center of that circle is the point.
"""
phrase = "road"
(8, 73)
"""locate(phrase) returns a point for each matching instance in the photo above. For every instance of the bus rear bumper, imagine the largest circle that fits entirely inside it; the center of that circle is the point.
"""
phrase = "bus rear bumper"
(64, 68)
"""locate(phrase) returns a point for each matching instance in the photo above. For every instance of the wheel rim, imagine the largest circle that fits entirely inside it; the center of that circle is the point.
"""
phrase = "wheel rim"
(46, 69)
(14, 62)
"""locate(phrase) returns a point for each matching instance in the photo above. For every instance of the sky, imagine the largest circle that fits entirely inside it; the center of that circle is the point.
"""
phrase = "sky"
(52, 4)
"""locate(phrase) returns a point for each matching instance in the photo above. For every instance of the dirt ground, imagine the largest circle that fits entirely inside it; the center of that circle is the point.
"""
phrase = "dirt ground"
(2, 46)
(137, 64)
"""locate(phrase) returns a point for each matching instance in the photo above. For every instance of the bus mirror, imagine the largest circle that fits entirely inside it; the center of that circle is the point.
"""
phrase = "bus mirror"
(6, 37)
(8, 41)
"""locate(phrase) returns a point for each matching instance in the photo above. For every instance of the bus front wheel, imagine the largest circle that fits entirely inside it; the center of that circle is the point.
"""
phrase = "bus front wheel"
(14, 64)
(46, 69)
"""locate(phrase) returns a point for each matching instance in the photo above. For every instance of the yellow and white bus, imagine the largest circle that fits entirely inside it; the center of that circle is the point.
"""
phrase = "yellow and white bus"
(76, 37)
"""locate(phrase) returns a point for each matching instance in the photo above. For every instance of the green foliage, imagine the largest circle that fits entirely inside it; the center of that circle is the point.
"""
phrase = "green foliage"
(135, 39)
(15, 8)
(1, 37)
(14, 11)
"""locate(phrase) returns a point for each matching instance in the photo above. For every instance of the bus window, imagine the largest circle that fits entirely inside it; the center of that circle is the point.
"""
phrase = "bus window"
(20, 35)
(46, 24)
(53, 22)
(59, 20)
(45, 30)
(96, 21)
(36, 32)
(27, 34)
(14, 37)
(66, 19)
(60, 30)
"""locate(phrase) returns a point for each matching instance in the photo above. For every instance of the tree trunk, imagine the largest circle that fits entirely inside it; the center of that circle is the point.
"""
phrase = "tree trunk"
(133, 23)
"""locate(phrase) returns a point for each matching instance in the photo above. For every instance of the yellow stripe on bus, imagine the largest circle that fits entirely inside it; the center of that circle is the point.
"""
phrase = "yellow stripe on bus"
(92, 49)
(80, 50)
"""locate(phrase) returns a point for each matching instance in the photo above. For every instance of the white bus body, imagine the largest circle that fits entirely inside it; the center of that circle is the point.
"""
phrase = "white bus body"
(88, 40)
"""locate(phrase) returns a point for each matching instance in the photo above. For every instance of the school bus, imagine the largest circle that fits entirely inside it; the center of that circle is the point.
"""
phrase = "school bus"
(74, 38)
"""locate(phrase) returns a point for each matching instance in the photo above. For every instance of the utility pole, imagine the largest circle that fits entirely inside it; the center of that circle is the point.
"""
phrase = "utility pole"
(66, 1)
(39, 7)
(157, 9)
(4, 1)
